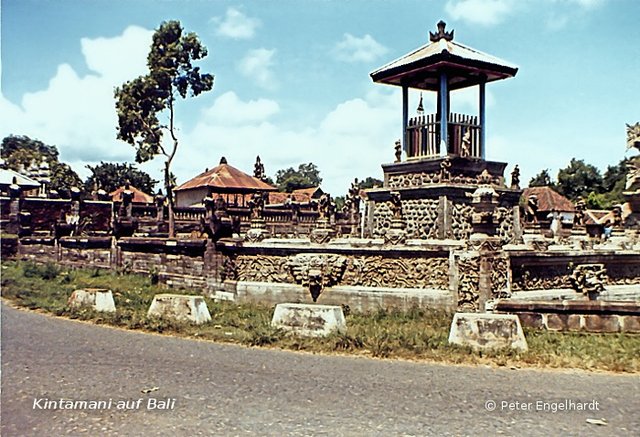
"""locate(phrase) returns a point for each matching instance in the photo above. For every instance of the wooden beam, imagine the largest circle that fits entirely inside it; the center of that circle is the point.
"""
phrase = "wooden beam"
(405, 116)
(481, 103)
(444, 113)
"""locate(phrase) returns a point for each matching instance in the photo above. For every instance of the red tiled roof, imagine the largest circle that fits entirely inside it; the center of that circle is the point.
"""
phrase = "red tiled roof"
(226, 178)
(548, 199)
(302, 195)
(138, 196)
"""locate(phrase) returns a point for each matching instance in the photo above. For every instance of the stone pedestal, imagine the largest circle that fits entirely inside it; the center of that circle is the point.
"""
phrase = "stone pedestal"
(258, 231)
(96, 298)
(180, 307)
(396, 233)
(487, 331)
(323, 232)
(309, 320)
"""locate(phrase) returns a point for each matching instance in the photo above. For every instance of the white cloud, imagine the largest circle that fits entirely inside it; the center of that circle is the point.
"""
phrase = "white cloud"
(482, 12)
(77, 114)
(236, 25)
(257, 65)
(354, 49)
(351, 140)
(228, 109)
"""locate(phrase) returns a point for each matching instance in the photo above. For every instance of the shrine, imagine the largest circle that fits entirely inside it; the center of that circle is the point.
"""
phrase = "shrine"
(444, 153)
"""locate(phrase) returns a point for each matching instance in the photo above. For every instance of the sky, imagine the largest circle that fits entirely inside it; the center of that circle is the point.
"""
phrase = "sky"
(292, 79)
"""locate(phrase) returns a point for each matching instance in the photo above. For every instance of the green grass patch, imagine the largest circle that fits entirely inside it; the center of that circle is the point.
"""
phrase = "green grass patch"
(418, 334)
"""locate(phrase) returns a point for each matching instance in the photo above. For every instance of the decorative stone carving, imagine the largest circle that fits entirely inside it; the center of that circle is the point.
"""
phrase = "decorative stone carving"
(317, 271)
(398, 151)
(422, 179)
(460, 221)
(229, 269)
(258, 169)
(588, 279)
(376, 271)
(578, 218)
(531, 209)
(441, 33)
(500, 277)
(332, 269)
(633, 136)
(445, 169)
(468, 283)
(263, 268)
(396, 233)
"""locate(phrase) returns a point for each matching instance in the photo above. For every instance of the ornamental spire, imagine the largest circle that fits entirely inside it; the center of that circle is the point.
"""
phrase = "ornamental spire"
(435, 37)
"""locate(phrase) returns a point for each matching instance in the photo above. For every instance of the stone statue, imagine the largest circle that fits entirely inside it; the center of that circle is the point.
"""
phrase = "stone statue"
(256, 205)
(633, 136)
(531, 209)
(258, 170)
(578, 218)
(445, 172)
(326, 206)
(633, 175)
(515, 178)
(589, 279)
(398, 149)
(353, 197)
(465, 149)
(396, 205)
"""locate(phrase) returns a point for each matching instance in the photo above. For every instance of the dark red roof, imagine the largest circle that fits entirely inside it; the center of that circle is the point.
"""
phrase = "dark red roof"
(225, 178)
(138, 196)
(548, 199)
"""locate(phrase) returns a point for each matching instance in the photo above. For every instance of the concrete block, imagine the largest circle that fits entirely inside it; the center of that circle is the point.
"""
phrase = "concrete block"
(309, 320)
(180, 307)
(97, 298)
(487, 331)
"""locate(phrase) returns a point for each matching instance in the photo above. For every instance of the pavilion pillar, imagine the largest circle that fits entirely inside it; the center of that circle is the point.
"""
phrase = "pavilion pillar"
(405, 117)
(444, 113)
(481, 111)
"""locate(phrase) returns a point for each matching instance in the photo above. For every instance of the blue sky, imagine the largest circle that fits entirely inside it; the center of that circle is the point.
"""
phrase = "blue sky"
(292, 79)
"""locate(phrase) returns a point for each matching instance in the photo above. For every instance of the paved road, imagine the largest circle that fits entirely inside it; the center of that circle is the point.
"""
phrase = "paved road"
(229, 390)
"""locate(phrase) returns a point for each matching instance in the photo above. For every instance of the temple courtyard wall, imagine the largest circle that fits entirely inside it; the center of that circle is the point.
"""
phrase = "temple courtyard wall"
(365, 274)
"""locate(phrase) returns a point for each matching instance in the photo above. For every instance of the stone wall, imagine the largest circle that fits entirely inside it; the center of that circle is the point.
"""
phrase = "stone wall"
(587, 316)
(547, 270)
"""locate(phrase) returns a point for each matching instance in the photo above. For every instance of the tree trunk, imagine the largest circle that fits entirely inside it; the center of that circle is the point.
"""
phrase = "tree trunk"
(169, 188)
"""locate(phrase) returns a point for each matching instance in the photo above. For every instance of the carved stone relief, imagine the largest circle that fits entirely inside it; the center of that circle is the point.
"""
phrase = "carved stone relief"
(376, 271)
(460, 221)
(468, 283)
(421, 179)
(500, 277)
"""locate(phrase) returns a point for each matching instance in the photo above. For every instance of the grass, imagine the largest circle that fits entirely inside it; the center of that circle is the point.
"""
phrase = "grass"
(417, 334)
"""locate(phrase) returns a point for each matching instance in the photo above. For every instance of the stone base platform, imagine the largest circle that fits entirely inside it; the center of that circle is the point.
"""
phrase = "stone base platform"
(97, 298)
(309, 320)
(180, 307)
(586, 316)
(487, 331)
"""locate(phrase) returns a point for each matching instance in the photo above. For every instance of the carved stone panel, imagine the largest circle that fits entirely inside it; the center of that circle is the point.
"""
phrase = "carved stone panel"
(263, 268)
(460, 221)
(376, 271)
(468, 269)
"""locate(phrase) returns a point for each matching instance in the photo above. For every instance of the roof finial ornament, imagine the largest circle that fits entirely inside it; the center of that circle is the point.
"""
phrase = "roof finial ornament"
(223, 160)
(435, 37)
(420, 109)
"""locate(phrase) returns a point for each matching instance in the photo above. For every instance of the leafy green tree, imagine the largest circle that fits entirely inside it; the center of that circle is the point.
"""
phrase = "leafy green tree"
(110, 176)
(370, 182)
(21, 152)
(579, 180)
(542, 179)
(306, 176)
(141, 101)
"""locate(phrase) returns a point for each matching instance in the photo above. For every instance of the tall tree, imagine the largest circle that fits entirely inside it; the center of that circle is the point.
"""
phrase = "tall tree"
(542, 179)
(21, 153)
(110, 176)
(141, 101)
(306, 176)
(579, 180)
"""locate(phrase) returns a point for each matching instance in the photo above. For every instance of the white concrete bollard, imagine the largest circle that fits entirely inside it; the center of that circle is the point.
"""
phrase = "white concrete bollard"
(487, 331)
(180, 307)
(309, 320)
(97, 298)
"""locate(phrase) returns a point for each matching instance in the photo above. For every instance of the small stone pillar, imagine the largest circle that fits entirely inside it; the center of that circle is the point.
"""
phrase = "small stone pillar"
(258, 230)
(15, 195)
(100, 300)
(396, 233)
(180, 307)
(324, 232)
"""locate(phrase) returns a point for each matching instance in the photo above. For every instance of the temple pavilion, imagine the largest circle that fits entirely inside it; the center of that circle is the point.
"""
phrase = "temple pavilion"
(444, 153)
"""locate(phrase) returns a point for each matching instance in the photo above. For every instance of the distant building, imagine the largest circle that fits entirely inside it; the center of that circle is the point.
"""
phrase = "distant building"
(550, 200)
(138, 195)
(302, 195)
(235, 186)
(28, 186)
